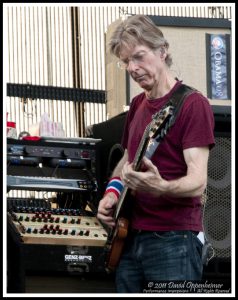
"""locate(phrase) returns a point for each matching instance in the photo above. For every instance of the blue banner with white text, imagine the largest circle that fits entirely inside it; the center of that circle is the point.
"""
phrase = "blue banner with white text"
(219, 66)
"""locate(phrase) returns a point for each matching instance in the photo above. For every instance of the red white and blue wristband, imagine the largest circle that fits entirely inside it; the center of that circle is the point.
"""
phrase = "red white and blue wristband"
(115, 186)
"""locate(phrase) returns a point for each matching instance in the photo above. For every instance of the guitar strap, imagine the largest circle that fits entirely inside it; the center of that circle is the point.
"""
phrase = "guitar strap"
(178, 98)
(176, 102)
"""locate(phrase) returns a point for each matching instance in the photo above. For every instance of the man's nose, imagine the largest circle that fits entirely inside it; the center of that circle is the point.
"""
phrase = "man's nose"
(132, 66)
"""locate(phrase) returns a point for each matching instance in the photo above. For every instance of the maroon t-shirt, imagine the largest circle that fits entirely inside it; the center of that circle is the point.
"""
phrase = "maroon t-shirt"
(194, 127)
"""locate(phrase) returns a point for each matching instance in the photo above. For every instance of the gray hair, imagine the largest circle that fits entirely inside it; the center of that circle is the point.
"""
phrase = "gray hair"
(136, 30)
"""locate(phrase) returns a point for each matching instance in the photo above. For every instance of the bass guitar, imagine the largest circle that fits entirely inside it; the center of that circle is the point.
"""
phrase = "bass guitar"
(153, 134)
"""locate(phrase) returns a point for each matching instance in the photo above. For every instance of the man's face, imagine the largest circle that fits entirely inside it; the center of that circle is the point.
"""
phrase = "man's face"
(143, 64)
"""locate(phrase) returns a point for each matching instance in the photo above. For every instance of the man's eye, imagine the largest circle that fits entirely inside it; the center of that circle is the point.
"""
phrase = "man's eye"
(139, 56)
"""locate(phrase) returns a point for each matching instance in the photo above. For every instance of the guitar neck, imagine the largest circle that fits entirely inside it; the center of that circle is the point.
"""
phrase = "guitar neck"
(140, 154)
(120, 202)
(136, 166)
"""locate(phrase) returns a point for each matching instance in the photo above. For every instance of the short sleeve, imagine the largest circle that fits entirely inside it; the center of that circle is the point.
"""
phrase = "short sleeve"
(197, 122)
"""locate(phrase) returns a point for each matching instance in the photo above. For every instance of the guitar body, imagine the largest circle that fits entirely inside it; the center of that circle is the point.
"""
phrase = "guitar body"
(117, 243)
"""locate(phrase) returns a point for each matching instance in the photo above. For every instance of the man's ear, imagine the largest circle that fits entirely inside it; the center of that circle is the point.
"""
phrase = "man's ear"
(163, 53)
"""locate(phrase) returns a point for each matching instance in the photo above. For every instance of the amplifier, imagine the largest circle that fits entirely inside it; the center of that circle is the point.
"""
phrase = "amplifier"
(24, 258)
(78, 153)
(59, 232)
(72, 260)
(64, 165)
(41, 238)
(49, 183)
(49, 228)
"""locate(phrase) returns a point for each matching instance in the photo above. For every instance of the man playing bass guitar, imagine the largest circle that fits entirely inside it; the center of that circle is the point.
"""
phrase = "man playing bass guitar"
(163, 233)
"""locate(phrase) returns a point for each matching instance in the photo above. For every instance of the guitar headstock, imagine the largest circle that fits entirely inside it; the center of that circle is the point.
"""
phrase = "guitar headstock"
(159, 120)
(152, 131)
